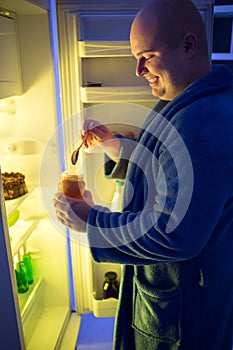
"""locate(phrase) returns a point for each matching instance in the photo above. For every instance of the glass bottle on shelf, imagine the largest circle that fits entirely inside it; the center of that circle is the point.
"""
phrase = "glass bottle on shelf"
(21, 277)
(111, 285)
(29, 269)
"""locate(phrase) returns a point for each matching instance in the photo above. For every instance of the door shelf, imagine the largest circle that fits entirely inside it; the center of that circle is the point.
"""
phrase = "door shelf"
(20, 233)
(104, 307)
(116, 93)
(37, 318)
(28, 298)
(104, 48)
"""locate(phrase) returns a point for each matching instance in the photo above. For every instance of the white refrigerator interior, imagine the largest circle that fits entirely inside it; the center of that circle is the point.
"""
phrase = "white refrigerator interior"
(99, 82)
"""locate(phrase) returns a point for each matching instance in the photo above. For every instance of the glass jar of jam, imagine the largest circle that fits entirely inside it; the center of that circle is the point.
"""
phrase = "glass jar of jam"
(72, 185)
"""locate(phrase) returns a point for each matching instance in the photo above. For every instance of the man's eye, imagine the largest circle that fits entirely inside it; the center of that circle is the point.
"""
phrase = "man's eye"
(147, 58)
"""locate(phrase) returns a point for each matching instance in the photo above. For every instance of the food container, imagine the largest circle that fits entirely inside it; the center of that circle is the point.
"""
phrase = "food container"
(72, 185)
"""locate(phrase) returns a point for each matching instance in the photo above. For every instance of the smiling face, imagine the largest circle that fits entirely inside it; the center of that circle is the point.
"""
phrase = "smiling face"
(166, 45)
(162, 64)
(158, 63)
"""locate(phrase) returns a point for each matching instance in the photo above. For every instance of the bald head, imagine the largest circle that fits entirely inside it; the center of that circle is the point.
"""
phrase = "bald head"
(170, 20)
(169, 42)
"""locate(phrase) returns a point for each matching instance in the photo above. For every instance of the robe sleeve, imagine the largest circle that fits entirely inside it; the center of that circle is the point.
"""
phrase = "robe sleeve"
(143, 237)
(117, 170)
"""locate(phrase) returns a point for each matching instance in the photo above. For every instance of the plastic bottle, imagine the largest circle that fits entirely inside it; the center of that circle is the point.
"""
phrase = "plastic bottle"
(111, 285)
(116, 204)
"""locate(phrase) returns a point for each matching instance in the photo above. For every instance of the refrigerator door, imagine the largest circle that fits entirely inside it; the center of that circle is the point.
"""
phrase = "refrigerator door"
(10, 321)
(44, 303)
(41, 315)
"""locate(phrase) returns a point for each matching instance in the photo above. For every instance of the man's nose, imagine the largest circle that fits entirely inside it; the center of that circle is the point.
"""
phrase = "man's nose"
(140, 68)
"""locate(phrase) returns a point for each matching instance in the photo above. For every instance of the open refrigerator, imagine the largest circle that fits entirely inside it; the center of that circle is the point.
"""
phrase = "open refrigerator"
(99, 82)
(73, 63)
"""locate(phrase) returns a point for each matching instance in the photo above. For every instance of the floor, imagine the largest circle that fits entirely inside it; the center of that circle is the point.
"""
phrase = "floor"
(95, 333)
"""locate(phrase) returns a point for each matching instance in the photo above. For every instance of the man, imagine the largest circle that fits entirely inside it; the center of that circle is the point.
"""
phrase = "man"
(175, 235)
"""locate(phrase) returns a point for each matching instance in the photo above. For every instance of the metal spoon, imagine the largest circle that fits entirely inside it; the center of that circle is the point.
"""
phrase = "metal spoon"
(74, 156)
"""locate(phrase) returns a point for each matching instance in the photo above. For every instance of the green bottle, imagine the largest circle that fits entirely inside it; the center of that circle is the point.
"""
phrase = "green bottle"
(21, 277)
(29, 269)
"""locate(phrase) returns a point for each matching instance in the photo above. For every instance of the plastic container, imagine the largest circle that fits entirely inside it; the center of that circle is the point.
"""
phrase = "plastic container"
(116, 204)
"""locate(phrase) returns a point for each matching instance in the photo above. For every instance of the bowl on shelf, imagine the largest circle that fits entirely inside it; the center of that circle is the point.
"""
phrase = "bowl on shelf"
(13, 217)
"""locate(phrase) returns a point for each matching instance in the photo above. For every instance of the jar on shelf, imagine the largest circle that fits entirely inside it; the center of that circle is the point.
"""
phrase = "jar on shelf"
(110, 285)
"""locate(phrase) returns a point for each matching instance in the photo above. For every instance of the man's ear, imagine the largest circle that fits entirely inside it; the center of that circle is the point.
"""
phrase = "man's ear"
(190, 43)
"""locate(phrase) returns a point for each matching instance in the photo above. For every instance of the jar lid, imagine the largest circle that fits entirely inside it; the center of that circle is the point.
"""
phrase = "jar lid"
(110, 275)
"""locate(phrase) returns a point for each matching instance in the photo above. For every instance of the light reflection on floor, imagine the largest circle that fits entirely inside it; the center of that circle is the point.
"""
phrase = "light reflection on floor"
(95, 333)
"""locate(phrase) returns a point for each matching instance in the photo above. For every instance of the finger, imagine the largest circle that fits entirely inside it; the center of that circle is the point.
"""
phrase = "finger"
(93, 126)
(66, 215)
(59, 198)
(99, 131)
(88, 142)
(89, 125)
(86, 123)
(72, 220)
(91, 140)
(88, 198)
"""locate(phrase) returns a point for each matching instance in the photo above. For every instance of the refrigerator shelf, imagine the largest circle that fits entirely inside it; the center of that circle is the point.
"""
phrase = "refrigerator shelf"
(104, 48)
(37, 318)
(48, 331)
(13, 204)
(20, 233)
(30, 205)
(116, 93)
(31, 307)
(28, 298)
(104, 307)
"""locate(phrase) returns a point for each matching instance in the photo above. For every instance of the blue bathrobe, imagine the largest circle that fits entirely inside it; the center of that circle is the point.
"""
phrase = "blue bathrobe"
(175, 234)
